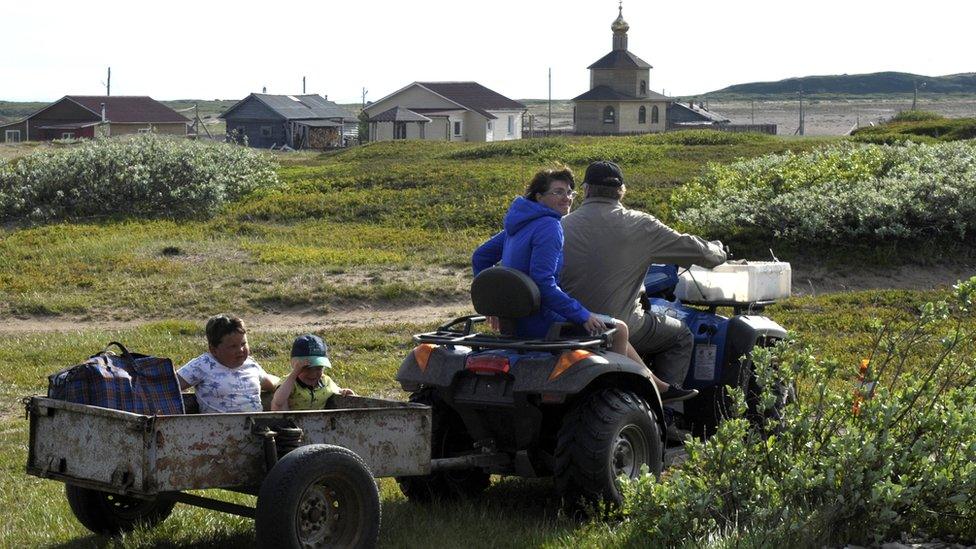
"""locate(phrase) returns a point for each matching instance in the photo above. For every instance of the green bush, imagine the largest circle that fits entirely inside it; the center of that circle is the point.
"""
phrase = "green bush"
(143, 176)
(855, 462)
(838, 194)
(916, 116)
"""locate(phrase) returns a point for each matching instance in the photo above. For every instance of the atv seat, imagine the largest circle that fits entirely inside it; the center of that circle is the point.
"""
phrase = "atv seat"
(506, 293)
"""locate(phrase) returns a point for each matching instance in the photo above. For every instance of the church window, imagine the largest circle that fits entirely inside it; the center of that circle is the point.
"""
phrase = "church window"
(642, 115)
(643, 87)
(655, 117)
(609, 115)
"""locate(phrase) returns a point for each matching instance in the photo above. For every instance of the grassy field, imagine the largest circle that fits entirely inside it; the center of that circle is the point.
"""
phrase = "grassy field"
(390, 223)
(842, 326)
(384, 222)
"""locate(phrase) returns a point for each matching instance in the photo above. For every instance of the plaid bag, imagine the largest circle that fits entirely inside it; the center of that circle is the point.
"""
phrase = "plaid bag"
(132, 382)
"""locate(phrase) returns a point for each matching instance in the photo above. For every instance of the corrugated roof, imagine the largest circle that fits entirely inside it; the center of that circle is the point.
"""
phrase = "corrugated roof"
(399, 114)
(620, 59)
(606, 93)
(297, 107)
(129, 109)
(319, 123)
(473, 96)
(694, 111)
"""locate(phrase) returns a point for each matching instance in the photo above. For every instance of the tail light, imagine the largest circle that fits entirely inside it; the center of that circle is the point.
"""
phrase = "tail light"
(566, 360)
(487, 364)
(421, 353)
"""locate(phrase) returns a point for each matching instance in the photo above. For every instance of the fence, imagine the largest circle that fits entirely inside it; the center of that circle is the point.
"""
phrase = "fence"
(769, 129)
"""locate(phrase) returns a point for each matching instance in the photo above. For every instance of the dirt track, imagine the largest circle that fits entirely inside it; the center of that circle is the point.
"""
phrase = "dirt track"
(807, 280)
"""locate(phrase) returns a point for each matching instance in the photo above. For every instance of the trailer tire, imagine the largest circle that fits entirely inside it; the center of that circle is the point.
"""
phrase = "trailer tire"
(446, 433)
(318, 496)
(609, 433)
(111, 514)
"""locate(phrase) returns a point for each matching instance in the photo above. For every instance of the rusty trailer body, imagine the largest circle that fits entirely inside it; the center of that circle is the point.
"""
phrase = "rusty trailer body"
(144, 456)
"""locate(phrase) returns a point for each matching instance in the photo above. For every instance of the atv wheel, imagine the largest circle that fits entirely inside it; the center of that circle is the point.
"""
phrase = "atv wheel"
(609, 434)
(448, 438)
(111, 514)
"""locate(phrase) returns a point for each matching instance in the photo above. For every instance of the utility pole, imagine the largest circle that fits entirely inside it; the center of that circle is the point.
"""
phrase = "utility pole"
(800, 130)
(753, 103)
(915, 96)
(108, 83)
(303, 85)
(550, 100)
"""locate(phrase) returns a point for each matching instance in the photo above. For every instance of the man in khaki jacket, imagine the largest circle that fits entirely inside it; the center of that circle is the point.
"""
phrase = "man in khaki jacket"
(607, 251)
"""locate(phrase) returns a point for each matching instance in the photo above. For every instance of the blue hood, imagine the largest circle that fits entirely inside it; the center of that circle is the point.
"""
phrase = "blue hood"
(523, 211)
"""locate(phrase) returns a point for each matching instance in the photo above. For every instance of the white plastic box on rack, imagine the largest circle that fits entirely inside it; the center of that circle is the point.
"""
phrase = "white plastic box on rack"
(736, 282)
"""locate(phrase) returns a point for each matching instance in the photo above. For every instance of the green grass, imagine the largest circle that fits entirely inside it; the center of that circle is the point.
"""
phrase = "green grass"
(513, 513)
(402, 216)
(920, 127)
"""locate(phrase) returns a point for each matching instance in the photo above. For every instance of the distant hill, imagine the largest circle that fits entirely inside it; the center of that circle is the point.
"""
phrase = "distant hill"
(858, 84)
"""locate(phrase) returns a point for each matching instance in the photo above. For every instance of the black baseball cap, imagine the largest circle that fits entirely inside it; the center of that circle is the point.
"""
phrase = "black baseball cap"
(604, 172)
(313, 348)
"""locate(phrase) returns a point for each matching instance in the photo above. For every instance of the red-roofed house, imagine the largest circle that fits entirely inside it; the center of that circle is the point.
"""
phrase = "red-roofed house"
(78, 116)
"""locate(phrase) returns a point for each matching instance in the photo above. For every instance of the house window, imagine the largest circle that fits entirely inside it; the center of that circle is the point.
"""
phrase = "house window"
(491, 126)
(457, 128)
(642, 115)
(67, 135)
(643, 87)
(511, 124)
(146, 130)
(12, 136)
(609, 116)
(265, 131)
(654, 115)
(399, 130)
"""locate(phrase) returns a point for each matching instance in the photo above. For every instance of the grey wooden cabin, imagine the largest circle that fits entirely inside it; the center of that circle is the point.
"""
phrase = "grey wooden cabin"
(298, 121)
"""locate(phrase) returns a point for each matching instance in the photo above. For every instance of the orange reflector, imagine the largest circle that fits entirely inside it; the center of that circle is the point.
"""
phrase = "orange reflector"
(566, 360)
(421, 353)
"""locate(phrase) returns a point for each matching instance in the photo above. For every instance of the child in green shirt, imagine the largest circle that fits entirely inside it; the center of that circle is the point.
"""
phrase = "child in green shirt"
(306, 387)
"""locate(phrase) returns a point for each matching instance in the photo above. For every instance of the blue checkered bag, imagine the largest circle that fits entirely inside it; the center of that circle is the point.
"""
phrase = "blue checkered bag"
(132, 382)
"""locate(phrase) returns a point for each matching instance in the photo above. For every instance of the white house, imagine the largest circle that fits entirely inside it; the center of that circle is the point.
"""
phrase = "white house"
(445, 111)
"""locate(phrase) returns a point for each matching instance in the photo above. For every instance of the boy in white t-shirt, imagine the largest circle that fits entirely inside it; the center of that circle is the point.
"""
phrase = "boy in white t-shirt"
(226, 378)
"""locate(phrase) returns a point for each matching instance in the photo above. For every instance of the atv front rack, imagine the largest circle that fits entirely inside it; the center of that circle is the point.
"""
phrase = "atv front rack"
(459, 332)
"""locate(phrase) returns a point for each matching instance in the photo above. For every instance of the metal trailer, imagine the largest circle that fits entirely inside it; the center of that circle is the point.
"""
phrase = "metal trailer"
(312, 471)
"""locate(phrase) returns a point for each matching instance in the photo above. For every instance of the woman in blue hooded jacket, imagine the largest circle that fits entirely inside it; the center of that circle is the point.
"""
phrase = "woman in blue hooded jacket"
(532, 242)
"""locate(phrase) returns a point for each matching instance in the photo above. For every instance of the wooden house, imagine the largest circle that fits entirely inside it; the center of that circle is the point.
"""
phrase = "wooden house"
(81, 116)
(445, 111)
(296, 121)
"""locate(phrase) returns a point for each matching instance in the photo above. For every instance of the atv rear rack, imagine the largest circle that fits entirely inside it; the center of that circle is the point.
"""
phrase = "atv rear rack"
(450, 334)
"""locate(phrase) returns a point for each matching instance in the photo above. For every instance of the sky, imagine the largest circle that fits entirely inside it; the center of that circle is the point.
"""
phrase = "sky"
(220, 49)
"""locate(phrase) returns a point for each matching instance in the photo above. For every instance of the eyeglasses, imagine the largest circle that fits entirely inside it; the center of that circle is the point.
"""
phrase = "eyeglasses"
(559, 193)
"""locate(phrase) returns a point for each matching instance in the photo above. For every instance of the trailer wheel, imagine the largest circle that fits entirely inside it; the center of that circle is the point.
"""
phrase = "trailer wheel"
(448, 437)
(318, 496)
(610, 433)
(111, 514)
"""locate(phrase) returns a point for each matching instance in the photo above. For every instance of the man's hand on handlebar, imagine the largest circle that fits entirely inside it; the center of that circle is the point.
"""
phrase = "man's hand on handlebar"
(594, 326)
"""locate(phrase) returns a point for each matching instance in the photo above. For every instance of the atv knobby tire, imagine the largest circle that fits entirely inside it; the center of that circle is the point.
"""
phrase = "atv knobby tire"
(111, 514)
(448, 438)
(609, 433)
(318, 496)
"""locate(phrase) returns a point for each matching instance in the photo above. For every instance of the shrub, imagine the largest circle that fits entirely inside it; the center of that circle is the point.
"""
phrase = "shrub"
(894, 456)
(145, 176)
(837, 194)
(916, 116)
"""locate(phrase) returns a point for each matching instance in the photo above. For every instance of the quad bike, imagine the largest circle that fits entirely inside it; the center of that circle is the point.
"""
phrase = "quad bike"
(563, 406)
